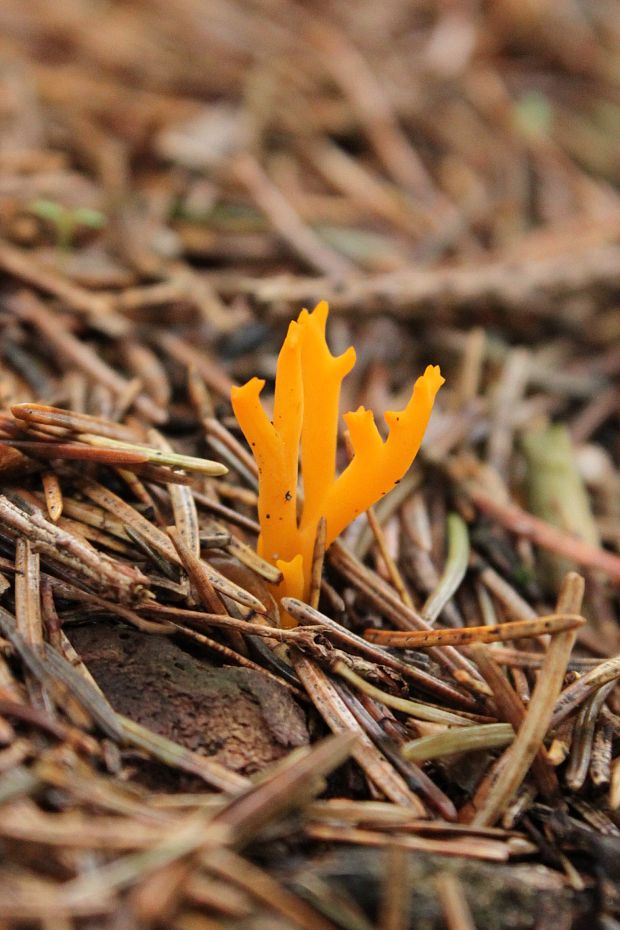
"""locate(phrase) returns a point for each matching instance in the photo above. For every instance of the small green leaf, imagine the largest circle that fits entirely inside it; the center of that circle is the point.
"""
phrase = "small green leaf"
(48, 210)
(533, 114)
(86, 216)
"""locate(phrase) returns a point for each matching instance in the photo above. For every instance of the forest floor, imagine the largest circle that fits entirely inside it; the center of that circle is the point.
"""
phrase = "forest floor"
(178, 179)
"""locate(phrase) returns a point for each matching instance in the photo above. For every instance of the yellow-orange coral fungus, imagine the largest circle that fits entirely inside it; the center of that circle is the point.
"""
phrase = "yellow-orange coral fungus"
(305, 413)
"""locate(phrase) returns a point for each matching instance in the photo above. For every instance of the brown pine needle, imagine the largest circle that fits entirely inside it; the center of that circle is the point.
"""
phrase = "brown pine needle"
(454, 906)
(318, 557)
(133, 520)
(162, 761)
(27, 597)
(517, 629)
(340, 720)
(208, 580)
(524, 524)
(76, 451)
(511, 710)
(520, 755)
(396, 894)
(183, 503)
(487, 736)
(53, 495)
(579, 690)
(158, 456)
(414, 708)
(391, 566)
(250, 558)
(71, 421)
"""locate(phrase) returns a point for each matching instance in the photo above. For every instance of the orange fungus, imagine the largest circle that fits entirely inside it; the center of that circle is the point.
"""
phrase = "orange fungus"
(305, 418)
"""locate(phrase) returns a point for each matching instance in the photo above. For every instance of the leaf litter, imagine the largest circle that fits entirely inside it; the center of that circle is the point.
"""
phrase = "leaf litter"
(436, 743)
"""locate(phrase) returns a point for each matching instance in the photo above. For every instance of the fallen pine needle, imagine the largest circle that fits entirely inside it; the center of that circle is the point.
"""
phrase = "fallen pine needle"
(500, 632)
(413, 708)
(454, 906)
(157, 456)
(520, 755)
(487, 736)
